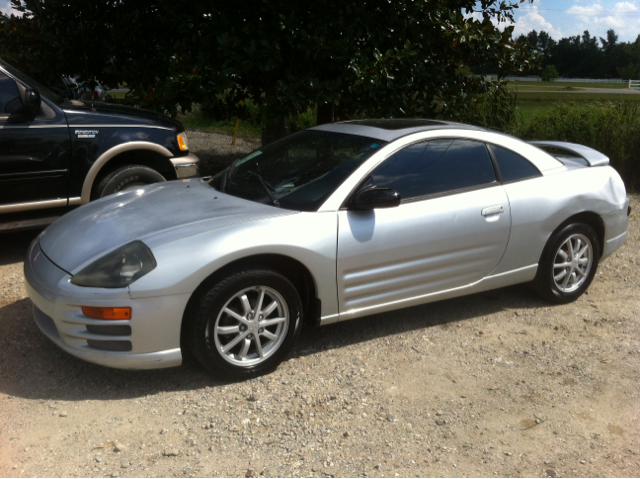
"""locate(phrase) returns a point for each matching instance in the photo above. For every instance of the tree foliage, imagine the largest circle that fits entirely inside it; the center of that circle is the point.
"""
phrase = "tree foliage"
(585, 56)
(379, 58)
(549, 73)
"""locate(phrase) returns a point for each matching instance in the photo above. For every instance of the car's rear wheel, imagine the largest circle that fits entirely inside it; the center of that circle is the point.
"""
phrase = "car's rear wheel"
(568, 264)
(126, 178)
(246, 324)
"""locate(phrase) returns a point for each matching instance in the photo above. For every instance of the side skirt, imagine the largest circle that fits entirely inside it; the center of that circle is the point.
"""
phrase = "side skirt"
(521, 275)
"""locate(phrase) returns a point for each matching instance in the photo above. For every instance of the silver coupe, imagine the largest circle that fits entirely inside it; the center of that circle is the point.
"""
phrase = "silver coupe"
(332, 223)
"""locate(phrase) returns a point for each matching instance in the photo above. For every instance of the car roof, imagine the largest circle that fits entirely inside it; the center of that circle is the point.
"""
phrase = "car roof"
(392, 129)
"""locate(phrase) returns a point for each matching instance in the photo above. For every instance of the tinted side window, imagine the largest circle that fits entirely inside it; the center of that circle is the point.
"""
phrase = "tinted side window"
(512, 166)
(435, 167)
(10, 101)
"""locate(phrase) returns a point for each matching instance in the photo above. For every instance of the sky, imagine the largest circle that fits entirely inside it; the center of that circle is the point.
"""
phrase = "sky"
(564, 18)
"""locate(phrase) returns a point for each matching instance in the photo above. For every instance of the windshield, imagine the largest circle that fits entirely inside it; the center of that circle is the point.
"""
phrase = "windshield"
(32, 83)
(298, 172)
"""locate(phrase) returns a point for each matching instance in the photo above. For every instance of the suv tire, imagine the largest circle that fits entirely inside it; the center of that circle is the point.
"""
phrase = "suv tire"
(125, 178)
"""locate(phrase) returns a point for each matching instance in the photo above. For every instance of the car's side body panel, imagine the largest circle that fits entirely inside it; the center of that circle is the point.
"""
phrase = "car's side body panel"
(419, 248)
(35, 156)
(540, 205)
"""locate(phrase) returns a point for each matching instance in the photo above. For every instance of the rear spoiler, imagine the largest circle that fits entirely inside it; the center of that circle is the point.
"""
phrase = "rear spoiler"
(591, 156)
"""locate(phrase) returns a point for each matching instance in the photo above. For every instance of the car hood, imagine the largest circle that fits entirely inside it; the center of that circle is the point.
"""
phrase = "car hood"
(97, 112)
(155, 214)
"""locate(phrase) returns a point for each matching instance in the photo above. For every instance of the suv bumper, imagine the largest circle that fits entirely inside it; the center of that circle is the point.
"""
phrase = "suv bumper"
(186, 166)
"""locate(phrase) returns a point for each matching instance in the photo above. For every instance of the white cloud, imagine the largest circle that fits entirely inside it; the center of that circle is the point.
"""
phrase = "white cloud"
(532, 20)
(5, 7)
(622, 17)
(535, 21)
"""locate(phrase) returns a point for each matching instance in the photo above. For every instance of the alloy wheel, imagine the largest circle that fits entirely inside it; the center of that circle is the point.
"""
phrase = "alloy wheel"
(250, 327)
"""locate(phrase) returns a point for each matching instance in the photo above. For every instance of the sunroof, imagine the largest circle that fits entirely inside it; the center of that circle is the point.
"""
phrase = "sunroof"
(397, 124)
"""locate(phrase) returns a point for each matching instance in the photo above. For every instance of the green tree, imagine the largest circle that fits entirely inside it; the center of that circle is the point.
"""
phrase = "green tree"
(347, 57)
(630, 72)
(550, 73)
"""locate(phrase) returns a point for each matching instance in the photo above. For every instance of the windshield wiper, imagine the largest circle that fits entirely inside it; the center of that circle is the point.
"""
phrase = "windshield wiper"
(267, 187)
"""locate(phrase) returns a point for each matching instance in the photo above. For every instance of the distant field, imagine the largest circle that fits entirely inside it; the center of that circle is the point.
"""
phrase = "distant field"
(521, 88)
(560, 85)
(530, 103)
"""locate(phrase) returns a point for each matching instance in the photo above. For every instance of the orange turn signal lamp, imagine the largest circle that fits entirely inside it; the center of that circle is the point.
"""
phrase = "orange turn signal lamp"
(106, 313)
(182, 142)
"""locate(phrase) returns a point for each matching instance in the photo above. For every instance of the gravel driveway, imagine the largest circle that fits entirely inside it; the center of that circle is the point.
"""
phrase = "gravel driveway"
(216, 151)
(498, 383)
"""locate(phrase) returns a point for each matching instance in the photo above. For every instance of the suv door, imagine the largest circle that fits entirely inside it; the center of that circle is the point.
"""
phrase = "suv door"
(35, 152)
(451, 229)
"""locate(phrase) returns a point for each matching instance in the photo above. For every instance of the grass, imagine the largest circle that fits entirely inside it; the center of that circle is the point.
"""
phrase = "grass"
(531, 104)
(560, 85)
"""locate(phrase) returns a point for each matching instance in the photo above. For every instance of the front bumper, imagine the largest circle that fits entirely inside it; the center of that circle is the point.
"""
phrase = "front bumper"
(186, 166)
(149, 340)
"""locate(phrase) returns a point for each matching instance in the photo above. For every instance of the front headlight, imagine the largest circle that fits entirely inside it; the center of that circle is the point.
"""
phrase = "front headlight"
(117, 269)
(182, 141)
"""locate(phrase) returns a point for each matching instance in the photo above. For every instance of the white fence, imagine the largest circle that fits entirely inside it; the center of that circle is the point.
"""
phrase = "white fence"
(634, 83)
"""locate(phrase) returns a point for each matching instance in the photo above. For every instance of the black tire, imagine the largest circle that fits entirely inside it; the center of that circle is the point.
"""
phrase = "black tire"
(124, 178)
(207, 343)
(562, 281)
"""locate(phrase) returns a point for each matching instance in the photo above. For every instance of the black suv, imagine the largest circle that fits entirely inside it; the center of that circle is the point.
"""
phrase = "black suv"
(56, 154)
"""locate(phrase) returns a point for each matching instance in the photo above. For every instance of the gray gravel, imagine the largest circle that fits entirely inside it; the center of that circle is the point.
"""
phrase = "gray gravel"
(494, 384)
(216, 151)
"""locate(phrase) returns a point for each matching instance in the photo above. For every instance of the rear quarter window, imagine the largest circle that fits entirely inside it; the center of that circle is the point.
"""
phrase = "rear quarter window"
(513, 167)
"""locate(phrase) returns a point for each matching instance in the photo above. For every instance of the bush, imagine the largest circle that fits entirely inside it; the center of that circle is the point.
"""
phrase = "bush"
(550, 73)
(496, 110)
(613, 129)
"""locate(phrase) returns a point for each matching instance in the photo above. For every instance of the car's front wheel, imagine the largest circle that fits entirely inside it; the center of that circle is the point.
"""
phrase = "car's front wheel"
(246, 324)
(568, 264)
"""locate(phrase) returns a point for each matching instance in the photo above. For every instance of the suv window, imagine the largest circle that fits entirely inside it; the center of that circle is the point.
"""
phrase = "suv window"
(10, 100)
(512, 166)
(436, 166)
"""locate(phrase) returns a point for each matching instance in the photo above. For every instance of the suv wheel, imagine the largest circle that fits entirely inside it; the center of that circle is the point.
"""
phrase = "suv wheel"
(125, 178)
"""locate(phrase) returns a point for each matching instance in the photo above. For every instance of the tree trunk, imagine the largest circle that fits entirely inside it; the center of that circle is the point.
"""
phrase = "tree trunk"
(325, 113)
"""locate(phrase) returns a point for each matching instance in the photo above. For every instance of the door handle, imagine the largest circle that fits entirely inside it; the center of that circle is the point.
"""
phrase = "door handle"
(494, 210)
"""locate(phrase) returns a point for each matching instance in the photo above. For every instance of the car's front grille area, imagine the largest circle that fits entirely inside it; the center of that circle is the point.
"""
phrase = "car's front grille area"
(109, 345)
(109, 330)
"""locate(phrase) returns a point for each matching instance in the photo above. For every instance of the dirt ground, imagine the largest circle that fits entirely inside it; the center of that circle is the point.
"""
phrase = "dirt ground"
(494, 384)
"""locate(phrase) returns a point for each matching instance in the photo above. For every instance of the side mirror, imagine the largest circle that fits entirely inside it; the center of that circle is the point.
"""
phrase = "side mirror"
(32, 102)
(374, 197)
